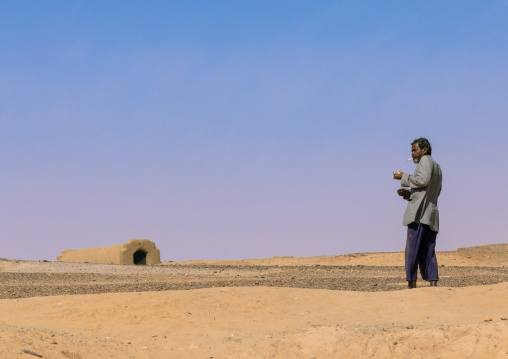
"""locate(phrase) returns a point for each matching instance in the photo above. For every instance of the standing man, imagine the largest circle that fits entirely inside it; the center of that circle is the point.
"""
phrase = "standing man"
(421, 216)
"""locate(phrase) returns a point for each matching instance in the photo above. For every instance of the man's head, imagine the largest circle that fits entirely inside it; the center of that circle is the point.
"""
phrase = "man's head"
(419, 148)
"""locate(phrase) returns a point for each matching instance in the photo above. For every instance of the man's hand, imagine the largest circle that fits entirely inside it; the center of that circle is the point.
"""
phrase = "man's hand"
(397, 175)
(402, 192)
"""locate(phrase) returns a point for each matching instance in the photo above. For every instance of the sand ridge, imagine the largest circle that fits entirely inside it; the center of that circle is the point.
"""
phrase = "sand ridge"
(447, 258)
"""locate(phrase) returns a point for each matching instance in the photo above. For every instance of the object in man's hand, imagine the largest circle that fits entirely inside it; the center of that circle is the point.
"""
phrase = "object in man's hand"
(397, 174)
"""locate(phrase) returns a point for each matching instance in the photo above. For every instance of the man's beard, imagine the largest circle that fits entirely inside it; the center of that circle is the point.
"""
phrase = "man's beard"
(416, 159)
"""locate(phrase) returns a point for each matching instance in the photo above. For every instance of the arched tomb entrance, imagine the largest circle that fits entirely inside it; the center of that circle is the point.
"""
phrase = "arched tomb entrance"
(140, 257)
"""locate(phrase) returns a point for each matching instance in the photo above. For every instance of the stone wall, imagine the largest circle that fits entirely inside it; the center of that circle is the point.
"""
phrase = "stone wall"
(135, 251)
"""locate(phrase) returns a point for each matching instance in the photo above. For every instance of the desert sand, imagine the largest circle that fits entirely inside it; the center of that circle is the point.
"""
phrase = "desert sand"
(260, 321)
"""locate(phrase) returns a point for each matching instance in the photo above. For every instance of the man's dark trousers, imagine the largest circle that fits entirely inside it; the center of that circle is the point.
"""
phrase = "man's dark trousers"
(420, 251)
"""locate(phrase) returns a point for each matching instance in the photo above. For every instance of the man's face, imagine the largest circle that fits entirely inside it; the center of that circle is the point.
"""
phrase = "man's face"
(417, 153)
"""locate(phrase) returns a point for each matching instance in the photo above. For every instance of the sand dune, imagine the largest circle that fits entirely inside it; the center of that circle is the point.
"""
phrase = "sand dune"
(262, 322)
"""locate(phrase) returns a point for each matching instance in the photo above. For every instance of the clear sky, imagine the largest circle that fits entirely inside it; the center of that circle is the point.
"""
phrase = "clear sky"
(247, 129)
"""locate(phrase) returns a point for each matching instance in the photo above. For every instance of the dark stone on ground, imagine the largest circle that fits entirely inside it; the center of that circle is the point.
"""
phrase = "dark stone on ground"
(17, 284)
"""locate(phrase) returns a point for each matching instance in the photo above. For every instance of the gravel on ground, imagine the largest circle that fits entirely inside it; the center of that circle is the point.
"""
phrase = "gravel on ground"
(23, 279)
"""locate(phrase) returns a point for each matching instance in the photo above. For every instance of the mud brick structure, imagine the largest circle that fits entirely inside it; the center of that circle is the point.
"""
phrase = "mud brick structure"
(135, 251)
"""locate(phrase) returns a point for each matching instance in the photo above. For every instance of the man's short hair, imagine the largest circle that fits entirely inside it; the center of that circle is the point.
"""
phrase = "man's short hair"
(423, 142)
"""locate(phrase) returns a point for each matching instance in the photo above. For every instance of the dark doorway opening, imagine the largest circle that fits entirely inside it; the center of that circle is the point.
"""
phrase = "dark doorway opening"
(140, 257)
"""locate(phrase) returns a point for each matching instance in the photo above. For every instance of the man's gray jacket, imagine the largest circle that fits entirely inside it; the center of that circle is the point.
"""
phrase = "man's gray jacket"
(425, 186)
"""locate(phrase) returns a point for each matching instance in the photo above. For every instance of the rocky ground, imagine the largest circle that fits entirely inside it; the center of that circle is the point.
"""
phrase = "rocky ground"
(22, 279)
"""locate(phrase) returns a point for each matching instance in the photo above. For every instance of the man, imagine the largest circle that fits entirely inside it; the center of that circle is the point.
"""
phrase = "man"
(421, 216)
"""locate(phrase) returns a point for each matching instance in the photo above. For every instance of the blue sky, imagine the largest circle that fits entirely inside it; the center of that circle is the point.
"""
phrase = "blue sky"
(245, 129)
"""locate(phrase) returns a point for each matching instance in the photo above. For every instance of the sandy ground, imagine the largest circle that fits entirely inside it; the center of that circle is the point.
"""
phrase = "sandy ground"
(448, 258)
(265, 322)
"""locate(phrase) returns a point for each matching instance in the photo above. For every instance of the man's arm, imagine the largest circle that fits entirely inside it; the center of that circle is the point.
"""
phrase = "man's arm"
(421, 177)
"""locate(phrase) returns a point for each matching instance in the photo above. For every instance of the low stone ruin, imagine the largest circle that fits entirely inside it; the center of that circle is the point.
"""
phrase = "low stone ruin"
(135, 251)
